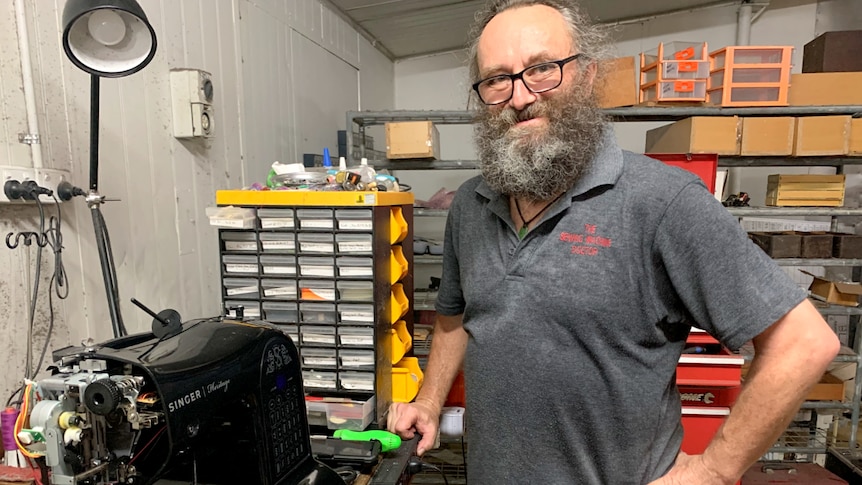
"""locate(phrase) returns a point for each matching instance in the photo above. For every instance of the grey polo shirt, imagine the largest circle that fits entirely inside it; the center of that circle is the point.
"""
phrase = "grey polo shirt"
(576, 330)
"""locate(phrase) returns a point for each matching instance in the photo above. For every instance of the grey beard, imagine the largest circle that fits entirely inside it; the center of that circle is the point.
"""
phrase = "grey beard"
(539, 167)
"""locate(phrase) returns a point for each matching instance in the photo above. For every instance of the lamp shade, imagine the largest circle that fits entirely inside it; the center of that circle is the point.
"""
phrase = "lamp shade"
(108, 38)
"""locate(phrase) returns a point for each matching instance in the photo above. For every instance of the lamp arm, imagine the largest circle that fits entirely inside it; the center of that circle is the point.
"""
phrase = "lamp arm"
(94, 133)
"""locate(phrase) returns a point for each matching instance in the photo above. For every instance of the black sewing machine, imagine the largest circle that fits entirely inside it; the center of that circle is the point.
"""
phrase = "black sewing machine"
(212, 401)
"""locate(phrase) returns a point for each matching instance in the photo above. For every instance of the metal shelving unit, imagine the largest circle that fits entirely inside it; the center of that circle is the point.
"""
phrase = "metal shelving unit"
(360, 120)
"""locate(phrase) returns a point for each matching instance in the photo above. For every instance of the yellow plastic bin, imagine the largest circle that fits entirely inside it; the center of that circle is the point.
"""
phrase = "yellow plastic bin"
(398, 303)
(406, 379)
(397, 265)
(397, 226)
(400, 341)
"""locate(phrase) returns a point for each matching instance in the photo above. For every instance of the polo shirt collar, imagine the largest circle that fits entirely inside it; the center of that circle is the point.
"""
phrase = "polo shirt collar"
(606, 169)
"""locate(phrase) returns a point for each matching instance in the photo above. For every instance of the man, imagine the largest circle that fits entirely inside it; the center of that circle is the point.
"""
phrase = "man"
(573, 272)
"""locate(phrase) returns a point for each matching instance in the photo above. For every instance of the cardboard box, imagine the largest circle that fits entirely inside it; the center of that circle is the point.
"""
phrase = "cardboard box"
(837, 292)
(854, 146)
(833, 52)
(805, 190)
(767, 136)
(821, 135)
(829, 388)
(826, 88)
(778, 244)
(846, 246)
(700, 134)
(412, 139)
(619, 85)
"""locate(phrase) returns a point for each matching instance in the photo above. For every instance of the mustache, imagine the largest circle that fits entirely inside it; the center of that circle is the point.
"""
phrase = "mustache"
(509, 116)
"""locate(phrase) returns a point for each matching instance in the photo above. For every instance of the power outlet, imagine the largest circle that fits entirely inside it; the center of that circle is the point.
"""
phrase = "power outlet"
(46, 177)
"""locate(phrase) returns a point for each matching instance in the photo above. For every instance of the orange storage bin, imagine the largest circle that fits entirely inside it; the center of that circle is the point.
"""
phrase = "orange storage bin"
(750, 76)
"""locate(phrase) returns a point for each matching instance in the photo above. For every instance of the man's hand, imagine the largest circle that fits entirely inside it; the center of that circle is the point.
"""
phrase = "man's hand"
(691, 470)
(406, 419)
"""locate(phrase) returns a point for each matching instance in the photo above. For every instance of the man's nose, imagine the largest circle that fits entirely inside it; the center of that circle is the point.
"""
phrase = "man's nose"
(521, 96)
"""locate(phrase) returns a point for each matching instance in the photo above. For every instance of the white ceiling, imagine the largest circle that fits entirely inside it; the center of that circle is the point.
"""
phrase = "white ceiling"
(410, 28)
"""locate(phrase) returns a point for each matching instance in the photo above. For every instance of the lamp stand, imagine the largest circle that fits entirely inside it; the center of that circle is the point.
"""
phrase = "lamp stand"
(94, 202)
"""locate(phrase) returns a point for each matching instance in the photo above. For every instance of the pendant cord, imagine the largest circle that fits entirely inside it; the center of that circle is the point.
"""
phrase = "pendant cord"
(526, 223)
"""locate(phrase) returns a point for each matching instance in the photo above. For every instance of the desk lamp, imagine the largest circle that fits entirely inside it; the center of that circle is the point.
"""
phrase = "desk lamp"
(105, 38)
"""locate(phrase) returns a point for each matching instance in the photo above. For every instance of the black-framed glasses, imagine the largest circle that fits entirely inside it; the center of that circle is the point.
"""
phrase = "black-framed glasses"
(538, 79)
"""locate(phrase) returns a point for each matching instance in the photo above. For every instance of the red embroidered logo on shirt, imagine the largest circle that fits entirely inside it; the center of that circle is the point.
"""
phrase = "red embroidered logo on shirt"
(587, 244)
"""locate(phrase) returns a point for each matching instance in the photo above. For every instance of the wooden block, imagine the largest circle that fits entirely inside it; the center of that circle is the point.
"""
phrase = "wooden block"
(778, 244)
(821, 136)
(805, 190)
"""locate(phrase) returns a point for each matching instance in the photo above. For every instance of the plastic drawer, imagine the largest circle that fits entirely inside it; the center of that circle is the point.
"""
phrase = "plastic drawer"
(355, 291)
(317, 290)
(279, 289)
(319, 380)
(239, 241)
(359, 267)
(355, 219)
(278, 265)
(356, 381)
(354, 243)
(317, 313)
(354, 415)
(277, 242)
(316, 266)
(356, 336)
(280, 312)
(319, 358)
(317, 335)
(356, 314)
(240, 264)
(241, 288)
(292, 331)
(315, 218)
(676, 50)
(316, 243)
(316, 411)
(250, 309)
(276, 218)
(354, 359)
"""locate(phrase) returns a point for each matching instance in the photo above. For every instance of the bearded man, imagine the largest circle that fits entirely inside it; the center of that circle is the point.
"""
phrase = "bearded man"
(573, 272)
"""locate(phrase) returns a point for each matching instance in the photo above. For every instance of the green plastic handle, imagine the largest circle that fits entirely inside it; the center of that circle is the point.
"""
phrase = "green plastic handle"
(388, 441)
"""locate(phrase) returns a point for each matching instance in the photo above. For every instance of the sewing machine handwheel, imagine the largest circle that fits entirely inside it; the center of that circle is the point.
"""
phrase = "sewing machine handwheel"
(167, 324)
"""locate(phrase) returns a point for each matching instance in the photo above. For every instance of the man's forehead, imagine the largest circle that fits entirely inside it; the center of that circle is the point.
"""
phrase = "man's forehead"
(534, 31)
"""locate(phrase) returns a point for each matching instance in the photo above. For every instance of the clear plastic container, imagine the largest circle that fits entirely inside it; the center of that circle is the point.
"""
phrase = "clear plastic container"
(355, 219)
(317, 290)
(319, 380)
(279, 289)
(355, 267)
(240, 264)
(315, 218)
(239, 241)
(276, 218)
(231, 217)
(356, 381)
(278, 265)
(241, 288)
(354, 243)
(280, 312)
(316, 243)
(355, 291)
(757, 75)
(355, 359)
(676, 50)
(317, 313)
(316, 266)
(319, 358)
(277, 242)
(758, 56)
(316, 335)
(355, 415)
(356, 314)
(356, 336)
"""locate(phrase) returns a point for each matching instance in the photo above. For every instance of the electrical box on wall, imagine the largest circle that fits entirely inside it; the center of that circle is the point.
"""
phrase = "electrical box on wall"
(191, 99)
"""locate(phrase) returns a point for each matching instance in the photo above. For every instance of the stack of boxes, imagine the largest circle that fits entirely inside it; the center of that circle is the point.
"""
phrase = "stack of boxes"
(675, 71)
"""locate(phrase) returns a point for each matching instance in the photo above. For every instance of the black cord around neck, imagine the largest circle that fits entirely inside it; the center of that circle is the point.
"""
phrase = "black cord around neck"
(525, 226)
